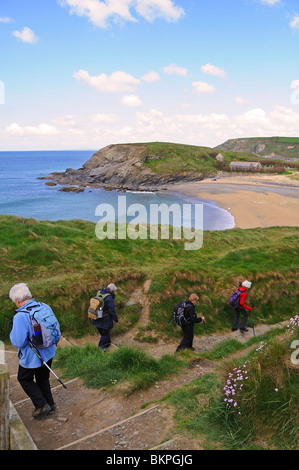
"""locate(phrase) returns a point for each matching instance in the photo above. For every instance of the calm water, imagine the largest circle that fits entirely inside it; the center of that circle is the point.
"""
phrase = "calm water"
(22, 194)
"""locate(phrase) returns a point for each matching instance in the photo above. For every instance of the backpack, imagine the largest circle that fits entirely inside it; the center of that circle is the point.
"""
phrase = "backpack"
(178, 313)
(96, 306)
(234, 299)
(46, 329)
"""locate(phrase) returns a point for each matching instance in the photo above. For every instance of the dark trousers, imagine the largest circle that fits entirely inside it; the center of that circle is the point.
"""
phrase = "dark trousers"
(187, 340)
(105, 340)
(38, 390)
(245, 314)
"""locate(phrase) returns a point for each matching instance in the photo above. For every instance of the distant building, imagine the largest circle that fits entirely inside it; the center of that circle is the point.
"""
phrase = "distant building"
(246, 166)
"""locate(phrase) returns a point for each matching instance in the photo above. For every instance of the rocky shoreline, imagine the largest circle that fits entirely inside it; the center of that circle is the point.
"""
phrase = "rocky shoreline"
(119, 167)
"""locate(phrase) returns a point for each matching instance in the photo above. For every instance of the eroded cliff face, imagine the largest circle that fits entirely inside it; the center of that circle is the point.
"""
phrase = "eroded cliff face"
(118, 166)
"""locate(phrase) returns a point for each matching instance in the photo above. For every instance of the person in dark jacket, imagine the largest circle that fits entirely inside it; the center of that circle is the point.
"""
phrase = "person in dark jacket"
(188, 328)
(105, 324)
(242, 309)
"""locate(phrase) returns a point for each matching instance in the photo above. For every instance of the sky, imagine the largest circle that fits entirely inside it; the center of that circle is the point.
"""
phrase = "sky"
(83, 74)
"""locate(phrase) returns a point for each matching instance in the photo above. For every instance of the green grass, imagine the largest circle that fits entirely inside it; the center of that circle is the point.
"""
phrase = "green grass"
(127, 364)
(280, 146)
(64, 264)
(178, 159)
(266, 415)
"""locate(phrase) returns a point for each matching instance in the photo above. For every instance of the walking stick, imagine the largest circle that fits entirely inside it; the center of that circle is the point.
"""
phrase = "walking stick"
(43, 362)
(252, 323)
(205, 327)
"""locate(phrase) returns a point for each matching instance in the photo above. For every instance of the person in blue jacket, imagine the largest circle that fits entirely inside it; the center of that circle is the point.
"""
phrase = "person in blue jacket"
(105, 324)
(30, 366)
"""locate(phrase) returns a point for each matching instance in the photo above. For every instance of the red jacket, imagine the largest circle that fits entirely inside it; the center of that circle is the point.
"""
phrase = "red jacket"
(243, 297)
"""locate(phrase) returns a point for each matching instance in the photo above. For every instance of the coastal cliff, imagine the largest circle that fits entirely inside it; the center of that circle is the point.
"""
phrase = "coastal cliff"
(123, 166)
(153, 166)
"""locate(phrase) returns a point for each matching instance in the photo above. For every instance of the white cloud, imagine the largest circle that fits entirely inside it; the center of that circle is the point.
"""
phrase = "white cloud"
(295, 84)
(213, 70)
(70, 120)
(117, 82)
(173, 69)
(151, 77)
(26, 35)
(105, 118)
(99, 12)
(270, 2)
(133, 101)
(152, 9)
(6, 19)
(98, 130)
(42, 129)
(295, 22)
(241, 100)
(202, 87)
(214, 128)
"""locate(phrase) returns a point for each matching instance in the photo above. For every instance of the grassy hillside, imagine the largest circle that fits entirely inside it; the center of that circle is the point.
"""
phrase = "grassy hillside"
(178, 159)
(248, 403)
(287, 147)
(64, 264)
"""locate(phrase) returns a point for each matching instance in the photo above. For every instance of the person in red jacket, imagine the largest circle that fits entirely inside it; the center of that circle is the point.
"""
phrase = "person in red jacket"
(243, 308)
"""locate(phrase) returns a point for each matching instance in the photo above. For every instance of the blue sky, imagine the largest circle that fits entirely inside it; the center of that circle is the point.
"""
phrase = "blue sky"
(82, 74)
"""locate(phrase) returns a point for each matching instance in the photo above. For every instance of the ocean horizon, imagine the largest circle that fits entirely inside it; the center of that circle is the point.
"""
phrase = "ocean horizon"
(23, 194)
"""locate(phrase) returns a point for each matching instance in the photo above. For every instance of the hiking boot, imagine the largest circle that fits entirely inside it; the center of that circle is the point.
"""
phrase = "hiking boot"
(244, 329)
(234, 329)
(41, 412)
(52, 409)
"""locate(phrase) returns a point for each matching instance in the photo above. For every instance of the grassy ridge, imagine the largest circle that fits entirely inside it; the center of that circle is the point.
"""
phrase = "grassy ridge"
(64, 264)
(179, 159)
(169, 158)
(281, 146)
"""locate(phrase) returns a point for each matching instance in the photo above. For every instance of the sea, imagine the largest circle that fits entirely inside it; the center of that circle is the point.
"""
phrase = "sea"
(23, 194)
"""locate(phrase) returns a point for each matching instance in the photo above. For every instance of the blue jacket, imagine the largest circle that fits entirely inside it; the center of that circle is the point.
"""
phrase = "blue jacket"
(21, 331)
(109, 312)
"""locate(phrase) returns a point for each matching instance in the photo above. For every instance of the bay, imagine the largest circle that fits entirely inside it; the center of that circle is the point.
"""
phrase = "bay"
(23, 195)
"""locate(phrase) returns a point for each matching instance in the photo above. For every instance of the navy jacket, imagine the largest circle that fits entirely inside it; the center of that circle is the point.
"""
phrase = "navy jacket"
(109, 312)
(190, 313)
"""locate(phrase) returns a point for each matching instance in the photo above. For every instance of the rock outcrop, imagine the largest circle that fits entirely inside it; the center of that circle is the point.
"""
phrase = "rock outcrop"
(120, 166)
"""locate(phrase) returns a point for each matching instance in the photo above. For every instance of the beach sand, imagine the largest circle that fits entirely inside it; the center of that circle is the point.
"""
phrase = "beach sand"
(253, 201)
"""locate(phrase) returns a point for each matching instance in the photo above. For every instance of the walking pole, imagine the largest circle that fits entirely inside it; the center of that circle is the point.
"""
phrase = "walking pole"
(205, 327)
(252, 323)
(43, 362)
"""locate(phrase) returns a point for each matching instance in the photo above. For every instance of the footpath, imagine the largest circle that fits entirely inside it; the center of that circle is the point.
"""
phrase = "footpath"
(88, 419)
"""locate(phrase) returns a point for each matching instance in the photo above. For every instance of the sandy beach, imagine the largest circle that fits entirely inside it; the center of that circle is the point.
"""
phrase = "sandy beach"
(253, 201)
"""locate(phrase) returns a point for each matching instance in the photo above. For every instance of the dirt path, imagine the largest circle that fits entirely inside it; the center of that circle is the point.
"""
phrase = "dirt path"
(108, 420)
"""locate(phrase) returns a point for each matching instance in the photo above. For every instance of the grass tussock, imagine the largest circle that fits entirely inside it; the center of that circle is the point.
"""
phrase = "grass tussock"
(249, 403)
(125, 365)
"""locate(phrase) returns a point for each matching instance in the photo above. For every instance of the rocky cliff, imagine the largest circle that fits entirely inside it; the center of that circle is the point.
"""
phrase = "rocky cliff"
(120, 166)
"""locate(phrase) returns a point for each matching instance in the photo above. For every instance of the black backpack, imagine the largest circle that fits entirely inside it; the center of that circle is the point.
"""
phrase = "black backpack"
(179, 313)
